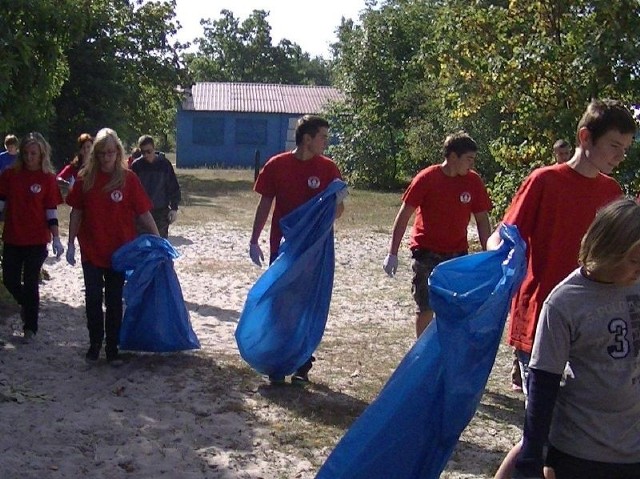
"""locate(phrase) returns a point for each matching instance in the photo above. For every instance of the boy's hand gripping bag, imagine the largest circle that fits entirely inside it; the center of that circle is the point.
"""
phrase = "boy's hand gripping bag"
(286, 310)
(412, 428)
(156, 318)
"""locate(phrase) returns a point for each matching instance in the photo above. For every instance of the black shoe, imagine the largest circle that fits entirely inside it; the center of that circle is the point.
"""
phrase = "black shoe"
(93, 353)
(28, 336)
(114, 360)
(299, 378)
(277, 380)
(302, 374)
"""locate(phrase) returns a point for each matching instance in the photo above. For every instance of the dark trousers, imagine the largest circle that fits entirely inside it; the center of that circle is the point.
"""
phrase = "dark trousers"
(21, 267)
(161, 217)
(97, 280)
(571, 467)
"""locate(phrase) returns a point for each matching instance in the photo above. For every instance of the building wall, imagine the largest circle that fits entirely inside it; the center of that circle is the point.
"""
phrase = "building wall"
(229, 139)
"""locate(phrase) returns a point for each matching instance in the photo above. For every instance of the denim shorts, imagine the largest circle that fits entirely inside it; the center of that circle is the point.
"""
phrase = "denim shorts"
(424, 262)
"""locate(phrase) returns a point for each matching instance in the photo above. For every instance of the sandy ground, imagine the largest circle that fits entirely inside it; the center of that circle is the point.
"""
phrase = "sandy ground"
(195, 415)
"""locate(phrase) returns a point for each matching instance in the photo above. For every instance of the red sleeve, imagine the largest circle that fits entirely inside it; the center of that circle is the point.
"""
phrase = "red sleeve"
(265, 184)
(4, 179)
(75, 198)
(416, 191)
(141, 202)
(54, 197)
(525, 203)
(66, 173)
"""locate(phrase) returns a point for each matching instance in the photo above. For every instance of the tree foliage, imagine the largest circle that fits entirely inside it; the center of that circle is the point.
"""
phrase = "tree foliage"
(123, 73)
(236, 51)
(34, 35)
(516, 74)
(77, 66)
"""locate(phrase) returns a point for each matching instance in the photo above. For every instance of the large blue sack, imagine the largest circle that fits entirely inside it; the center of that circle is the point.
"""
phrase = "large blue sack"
(286, 310)
(156, 318)
(412, 428)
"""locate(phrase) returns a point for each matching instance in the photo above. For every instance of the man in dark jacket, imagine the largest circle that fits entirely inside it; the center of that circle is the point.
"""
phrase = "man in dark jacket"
(159, 181)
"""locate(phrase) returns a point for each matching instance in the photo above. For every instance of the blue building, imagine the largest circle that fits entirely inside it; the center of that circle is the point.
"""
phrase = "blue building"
(225, 124)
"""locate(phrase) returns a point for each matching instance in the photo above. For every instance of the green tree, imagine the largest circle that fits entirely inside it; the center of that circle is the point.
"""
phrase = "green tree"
(123, 73)
(540, 63)
(236, 51)
(34, 35)
(392, 123)
(515, 74)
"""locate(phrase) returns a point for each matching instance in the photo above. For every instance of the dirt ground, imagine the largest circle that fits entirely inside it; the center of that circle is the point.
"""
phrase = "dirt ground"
(206, 414)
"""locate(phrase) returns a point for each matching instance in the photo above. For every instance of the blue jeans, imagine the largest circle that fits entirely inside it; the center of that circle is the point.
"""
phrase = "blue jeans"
(99, 323)
(21, 267)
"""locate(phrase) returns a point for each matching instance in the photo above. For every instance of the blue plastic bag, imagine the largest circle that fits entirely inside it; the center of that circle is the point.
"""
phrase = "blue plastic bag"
(412, 428)
(156, 318)
(286, 311)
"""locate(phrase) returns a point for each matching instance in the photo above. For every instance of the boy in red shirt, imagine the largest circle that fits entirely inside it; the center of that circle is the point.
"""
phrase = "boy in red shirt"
(443, 197)
(291, 179)
(553, 209)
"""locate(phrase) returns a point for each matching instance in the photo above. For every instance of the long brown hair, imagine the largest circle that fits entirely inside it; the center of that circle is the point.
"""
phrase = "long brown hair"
(91, 168)
(78, 161)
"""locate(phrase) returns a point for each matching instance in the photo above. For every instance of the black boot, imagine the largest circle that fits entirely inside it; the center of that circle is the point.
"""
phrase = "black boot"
(302, 374)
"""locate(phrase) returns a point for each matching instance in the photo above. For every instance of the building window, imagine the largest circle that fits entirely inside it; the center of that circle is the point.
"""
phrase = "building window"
(208, 131)
(251, 132)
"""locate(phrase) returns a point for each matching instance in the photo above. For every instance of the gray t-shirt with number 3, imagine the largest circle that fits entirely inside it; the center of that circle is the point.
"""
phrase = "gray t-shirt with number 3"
(596, 328)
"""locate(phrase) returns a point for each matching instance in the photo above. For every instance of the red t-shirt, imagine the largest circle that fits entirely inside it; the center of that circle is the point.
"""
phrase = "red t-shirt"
(28, 195)
(553, 210)
(444, 205)
(68, 172)
(108, 217)
(292, 182)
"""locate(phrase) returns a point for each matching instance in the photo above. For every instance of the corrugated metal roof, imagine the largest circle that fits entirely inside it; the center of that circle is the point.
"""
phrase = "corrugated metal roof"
(259, 98)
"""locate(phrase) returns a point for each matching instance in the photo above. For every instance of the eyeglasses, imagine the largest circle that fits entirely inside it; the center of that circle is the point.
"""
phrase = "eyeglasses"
(147, 152)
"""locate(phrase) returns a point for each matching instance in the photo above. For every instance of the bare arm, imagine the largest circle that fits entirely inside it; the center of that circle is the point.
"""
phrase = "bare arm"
(145, 220)
(400, 226)
(484, 227)
(75, 218)
(339, 209)
(494, 240)
(262, 213)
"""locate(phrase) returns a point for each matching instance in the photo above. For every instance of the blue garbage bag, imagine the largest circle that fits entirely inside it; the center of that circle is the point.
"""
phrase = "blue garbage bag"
(156, 318)
(286, 310)
(412, 428)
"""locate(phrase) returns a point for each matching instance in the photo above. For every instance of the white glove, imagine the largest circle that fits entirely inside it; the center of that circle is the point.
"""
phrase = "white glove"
(390, 264)
(567, 374)
(173, 216)
(71, 254)
(57, 247)
(341, 195)
(255, 253)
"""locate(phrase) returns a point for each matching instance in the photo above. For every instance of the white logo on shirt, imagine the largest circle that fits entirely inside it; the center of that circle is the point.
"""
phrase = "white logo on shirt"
(116, 195)
(313, 182)
(35, 188)
(465, 197)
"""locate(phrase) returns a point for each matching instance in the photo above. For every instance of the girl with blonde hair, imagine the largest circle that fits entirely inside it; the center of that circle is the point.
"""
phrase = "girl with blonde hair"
(106, 200)
(29, 197)
(588, 330)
